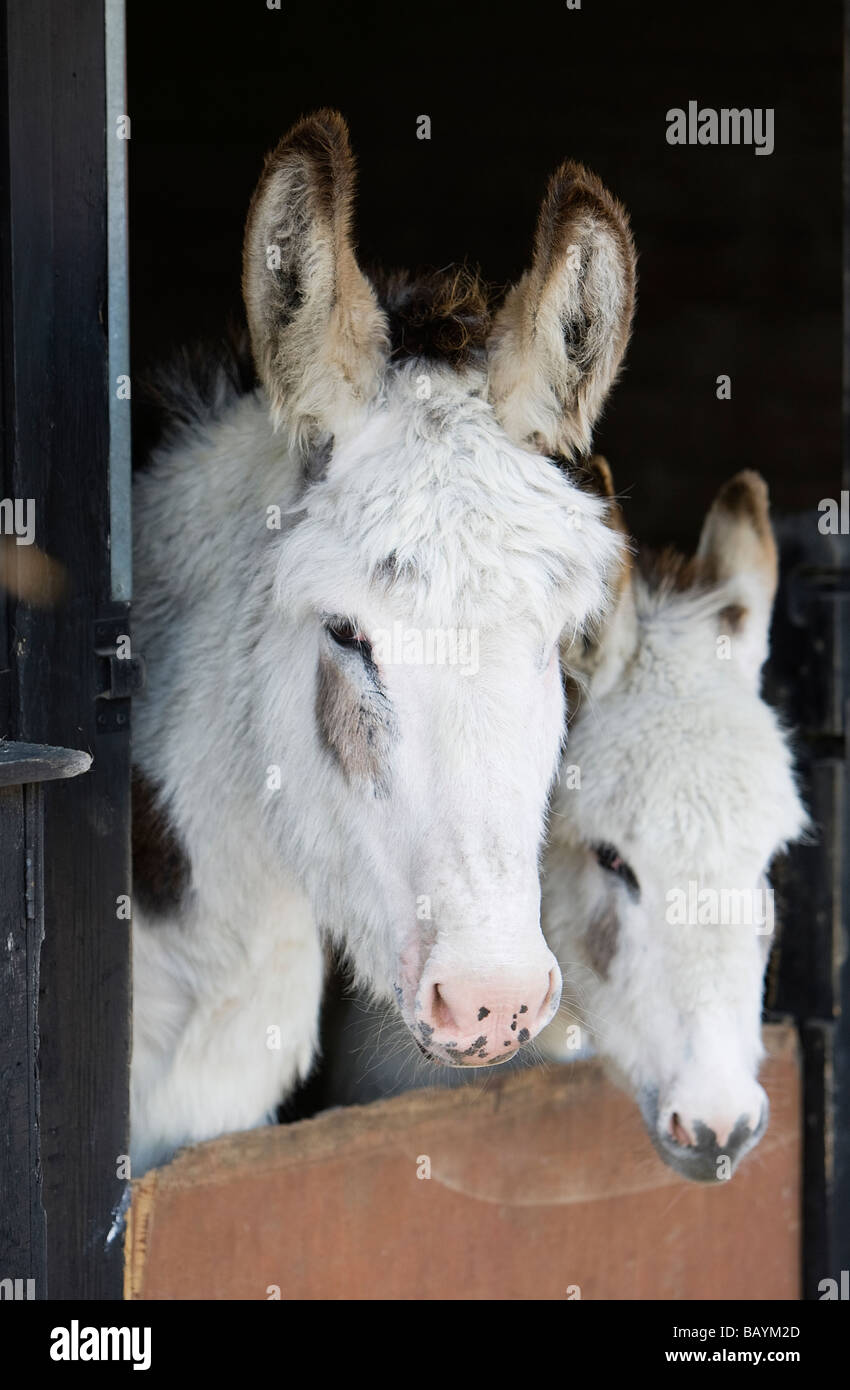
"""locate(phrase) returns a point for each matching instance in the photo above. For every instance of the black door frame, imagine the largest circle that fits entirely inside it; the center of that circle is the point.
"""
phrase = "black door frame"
(57, 395)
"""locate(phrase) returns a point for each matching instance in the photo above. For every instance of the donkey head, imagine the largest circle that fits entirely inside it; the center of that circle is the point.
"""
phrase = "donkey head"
(677, 794)
(435, 553)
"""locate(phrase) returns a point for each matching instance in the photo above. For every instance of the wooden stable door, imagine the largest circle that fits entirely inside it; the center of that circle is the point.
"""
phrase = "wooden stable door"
(538, 1185)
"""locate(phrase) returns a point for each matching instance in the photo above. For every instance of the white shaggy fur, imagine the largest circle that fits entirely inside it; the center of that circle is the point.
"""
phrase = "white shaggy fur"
(686, 771)
(427, 514)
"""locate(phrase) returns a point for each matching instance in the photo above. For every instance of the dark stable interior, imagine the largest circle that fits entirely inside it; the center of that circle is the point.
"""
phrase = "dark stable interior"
(739, 269)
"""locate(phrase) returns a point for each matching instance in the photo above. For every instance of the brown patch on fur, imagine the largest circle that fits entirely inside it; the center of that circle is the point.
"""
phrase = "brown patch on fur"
(356, 729)
(732, 617)
(160, 866)
(601, 941)
(438, 315)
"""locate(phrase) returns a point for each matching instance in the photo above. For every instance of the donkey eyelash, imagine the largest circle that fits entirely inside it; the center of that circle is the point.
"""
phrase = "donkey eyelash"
(608, 857)
(347, 634)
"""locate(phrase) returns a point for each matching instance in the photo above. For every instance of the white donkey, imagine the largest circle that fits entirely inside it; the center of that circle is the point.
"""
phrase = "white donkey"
(676, 794)
(296, 780)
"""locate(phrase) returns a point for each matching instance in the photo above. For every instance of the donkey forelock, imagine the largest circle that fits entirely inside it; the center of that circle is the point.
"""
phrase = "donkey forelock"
(432, 502)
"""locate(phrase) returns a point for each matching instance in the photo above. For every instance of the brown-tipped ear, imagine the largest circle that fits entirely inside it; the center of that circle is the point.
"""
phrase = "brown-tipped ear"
(317, 333)
(603, 479)
(599, 652)
(594, 475)
(558, 340)
(737, 549)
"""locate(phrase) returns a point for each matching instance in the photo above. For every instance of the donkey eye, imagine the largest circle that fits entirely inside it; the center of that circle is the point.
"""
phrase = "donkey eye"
(610, 859)
(347, 634)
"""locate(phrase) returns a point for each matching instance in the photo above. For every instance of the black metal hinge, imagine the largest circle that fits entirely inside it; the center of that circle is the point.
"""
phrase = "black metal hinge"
(120, 674)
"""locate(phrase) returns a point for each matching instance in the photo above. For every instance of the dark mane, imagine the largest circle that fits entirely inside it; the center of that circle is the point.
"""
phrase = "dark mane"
(668, 571)
(438, 315)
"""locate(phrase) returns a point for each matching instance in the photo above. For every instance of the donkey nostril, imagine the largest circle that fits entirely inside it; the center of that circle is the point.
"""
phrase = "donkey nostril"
(679, 1133)
(440, 1011)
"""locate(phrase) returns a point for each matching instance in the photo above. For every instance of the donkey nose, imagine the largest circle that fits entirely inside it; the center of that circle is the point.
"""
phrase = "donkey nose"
(725, 1132)
(703, 1148)
(475, 1021)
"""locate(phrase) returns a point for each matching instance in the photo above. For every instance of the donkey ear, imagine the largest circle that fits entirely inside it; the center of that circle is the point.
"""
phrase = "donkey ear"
(317, 334)
(558, 340)
(737, 549)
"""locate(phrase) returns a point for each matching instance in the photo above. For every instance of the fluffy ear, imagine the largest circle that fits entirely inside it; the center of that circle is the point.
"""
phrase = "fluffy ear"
(558, 340)
(599, 654)
(317, 334)
(737, 549)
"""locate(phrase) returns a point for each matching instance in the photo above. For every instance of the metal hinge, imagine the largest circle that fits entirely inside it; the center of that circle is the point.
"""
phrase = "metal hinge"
(121, 674)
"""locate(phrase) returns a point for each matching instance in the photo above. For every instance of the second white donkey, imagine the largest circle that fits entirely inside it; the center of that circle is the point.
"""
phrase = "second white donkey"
(676, 794)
